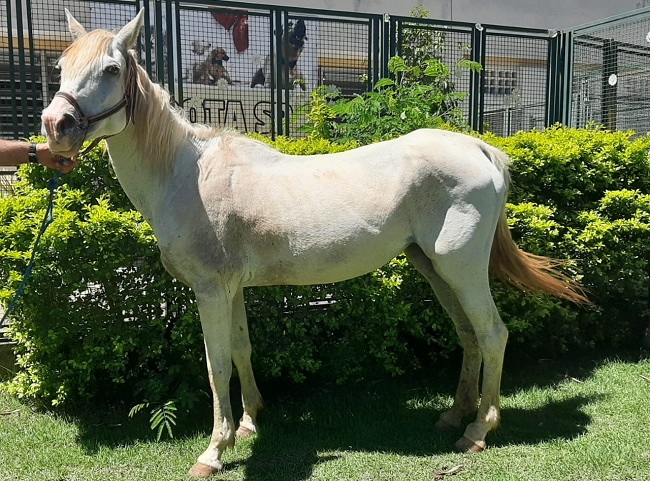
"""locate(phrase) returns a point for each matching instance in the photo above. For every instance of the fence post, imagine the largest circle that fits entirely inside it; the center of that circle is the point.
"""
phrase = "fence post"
(375, 59)
(560, 73)
(552, 79)
(167, 47)
(567, 81)
(477, 79)
(22, 67)
(276, 73)
(391, 29)
(178, 52)
(610, 83)
(160, 54)
(12, 72)
(35, 73)
(146, 48)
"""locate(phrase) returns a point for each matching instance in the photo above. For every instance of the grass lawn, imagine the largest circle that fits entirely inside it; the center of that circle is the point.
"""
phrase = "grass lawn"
(561, 421)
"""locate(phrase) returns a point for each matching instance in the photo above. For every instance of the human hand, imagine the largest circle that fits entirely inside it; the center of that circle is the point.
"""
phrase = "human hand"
(52, 161)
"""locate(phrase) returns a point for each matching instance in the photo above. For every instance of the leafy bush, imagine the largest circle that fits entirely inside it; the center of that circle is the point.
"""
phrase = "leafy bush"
(580, 190)
(421, 92)
(571, 169)
(99, 311)
(612, 246)
(420, 96)
(100, 318)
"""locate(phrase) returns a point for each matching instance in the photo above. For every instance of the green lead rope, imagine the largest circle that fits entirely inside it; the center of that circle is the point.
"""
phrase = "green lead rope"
(47, 220)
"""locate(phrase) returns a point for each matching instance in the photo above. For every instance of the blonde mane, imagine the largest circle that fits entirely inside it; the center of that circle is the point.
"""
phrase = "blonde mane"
(160, 128)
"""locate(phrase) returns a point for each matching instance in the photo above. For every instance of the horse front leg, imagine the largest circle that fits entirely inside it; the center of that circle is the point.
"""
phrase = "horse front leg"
(215, 311)
(241, 356)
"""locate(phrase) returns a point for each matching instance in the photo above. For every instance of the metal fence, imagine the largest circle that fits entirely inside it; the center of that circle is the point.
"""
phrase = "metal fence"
(252, 67)
(514, 89)
(235, 65)
(609, 73)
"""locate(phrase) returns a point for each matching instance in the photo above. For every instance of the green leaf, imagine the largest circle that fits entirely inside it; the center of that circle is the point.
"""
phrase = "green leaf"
(384, 82)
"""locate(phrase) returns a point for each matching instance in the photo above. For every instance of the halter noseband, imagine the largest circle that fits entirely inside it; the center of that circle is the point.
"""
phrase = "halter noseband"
(128, 101)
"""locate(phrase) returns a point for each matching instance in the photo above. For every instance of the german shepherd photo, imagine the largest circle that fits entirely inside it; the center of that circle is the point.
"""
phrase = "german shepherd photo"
(293, 43)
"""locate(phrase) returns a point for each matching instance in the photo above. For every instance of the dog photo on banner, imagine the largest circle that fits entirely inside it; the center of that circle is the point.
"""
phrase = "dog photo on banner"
(227, 48)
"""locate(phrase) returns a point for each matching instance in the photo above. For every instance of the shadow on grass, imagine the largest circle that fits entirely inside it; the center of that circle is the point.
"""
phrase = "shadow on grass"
(558, 420)
(296, 436)
(111, 427)
(303, 426)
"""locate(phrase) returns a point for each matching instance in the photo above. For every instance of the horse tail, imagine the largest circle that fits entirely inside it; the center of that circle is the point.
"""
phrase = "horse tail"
(524, 270)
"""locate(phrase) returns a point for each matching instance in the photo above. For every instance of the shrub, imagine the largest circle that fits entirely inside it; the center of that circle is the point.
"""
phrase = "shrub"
(580, 190)
(99, 311)
(100, 318)
(421, 92)
(571, 169)
(418, 96)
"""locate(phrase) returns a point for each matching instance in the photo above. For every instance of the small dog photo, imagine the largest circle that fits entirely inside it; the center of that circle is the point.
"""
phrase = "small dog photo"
(211, 70)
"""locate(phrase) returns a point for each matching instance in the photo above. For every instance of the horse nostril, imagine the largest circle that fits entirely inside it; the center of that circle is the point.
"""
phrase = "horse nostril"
(66, 124)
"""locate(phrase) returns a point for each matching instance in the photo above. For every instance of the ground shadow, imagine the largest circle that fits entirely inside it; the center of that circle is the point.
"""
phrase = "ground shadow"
(294, 433)
(560, 420)
(299, 423)
(111, 427)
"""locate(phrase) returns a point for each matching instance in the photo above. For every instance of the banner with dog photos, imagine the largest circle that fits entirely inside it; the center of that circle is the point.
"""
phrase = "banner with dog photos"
(225, 62)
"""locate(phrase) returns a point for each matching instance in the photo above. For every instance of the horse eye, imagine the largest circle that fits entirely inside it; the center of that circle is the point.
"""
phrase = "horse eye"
(55, 73)
(112, 69)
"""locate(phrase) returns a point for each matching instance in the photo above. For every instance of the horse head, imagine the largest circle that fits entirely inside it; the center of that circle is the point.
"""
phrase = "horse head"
(98, 88)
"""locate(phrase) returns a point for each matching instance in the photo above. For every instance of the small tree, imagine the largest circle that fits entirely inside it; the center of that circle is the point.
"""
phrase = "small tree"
(421, 92)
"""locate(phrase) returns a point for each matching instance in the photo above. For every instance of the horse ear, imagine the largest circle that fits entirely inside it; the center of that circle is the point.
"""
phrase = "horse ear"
(128, 36)
(76, 29)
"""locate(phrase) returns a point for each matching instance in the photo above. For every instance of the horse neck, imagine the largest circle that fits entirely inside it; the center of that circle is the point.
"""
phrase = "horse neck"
(144, 154)
(136, 178)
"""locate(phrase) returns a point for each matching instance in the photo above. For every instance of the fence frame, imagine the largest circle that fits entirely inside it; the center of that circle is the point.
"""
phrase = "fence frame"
(384, 42)
(580, 33)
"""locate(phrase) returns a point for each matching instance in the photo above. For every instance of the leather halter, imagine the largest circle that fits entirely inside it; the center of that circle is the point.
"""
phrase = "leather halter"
(128, 102)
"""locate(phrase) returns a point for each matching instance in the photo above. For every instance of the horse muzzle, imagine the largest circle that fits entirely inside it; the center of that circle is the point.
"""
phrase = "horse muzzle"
(64, 129)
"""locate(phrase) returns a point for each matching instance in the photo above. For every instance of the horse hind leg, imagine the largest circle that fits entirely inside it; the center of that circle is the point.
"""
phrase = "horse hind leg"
(241, 356)
(470, 284)
(466, 398)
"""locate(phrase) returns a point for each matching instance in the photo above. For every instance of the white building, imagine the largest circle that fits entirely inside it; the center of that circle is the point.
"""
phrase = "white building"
(557, 14)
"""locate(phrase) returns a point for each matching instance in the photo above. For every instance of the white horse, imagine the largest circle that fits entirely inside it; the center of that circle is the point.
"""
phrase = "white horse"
(231, 212)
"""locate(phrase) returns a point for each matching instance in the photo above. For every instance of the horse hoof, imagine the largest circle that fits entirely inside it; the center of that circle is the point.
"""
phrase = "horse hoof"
(244, 432)
(466, 445)
(200, 470)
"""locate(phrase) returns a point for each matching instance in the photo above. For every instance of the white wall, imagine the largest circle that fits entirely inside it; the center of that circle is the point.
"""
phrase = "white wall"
(558, 14)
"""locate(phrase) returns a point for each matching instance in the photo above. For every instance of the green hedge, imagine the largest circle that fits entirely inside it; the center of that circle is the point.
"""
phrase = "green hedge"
(592, 184)
(100, 318)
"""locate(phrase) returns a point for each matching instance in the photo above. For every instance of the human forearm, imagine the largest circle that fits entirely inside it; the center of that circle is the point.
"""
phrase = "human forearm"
(15, 152)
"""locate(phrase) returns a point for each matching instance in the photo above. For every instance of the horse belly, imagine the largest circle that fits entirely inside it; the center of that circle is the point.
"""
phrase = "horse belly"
(326, 264)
